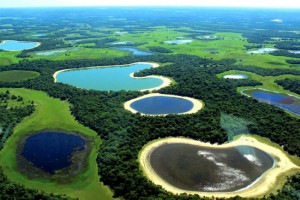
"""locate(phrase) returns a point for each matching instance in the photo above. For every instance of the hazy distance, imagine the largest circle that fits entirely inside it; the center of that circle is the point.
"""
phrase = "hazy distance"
(202, 3)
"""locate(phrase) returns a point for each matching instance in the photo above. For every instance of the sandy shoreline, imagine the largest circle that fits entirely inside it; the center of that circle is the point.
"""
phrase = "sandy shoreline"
(260, 188)
(166, 81)
(38, 44)
(257, 88)
(198, 105)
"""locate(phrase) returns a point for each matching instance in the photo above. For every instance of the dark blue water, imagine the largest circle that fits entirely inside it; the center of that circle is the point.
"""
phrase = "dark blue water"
(280, 100)
(51, 151)
(135, 51)
(158, 105)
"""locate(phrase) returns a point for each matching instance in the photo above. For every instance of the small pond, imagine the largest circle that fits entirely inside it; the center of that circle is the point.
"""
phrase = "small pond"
(178, 41)
(51, 151)
(39, 34)
(195, 168)
(284, 101)
(122, 43)
(55, 52)
(295, 52)
(135, 51)
(207, 37)
(12, 45)
(114, 78)
(161, 105)
(236, 76)
(262, 50)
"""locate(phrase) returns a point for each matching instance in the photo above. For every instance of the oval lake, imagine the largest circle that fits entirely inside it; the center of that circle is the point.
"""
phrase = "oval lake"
(195, 168)
(161, 105)
(235, 76)
(284, 101)
(113, 78)
(13, 45)
(51, 151)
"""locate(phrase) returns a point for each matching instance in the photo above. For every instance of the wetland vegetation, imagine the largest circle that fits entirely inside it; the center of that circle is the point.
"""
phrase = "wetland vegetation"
(217, 46)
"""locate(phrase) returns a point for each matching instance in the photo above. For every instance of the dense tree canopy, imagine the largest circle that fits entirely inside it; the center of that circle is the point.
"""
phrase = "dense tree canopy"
(124, 134)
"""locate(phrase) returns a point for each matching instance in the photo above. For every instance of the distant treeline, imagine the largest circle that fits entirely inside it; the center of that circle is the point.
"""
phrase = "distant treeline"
(293, 61)
(292, 85)
(288, 45)
(285, 53)
(159, 49)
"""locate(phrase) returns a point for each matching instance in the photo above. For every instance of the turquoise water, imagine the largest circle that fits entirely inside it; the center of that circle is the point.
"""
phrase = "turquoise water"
(12, 45)
(160, 105)
(109, 78)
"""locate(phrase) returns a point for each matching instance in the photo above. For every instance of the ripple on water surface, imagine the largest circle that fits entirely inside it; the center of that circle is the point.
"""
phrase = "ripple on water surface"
(204, 169)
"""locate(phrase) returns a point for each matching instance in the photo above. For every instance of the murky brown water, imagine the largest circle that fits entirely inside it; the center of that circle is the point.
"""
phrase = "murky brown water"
(195, 168)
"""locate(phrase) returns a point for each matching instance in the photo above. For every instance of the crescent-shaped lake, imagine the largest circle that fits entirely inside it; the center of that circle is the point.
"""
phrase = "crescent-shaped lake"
(114, 78)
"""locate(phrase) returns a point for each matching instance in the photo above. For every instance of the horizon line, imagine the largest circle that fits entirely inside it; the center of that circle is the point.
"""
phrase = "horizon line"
(149, 6)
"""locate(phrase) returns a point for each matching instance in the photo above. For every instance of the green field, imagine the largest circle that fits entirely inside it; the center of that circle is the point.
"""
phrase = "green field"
(8, 57)
(53, 114)
(17, 75)
(268, 82)
(82, 53)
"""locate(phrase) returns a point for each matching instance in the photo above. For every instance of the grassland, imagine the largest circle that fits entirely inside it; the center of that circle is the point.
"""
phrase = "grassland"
(82, 53)
(8, 57)
(230, 45)
(268, 82)
(17, 75)
(53, 114)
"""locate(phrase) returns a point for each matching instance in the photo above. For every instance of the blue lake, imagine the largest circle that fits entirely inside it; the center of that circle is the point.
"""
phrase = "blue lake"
(114, 78)
(159, 105)
(284, 101)
(12, 45)
(135, 51)
(51, 151)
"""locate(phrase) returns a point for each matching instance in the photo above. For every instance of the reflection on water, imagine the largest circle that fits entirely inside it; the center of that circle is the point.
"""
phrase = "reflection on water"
(195, 168)
(51, 151)
(287, 102)
(158, 105)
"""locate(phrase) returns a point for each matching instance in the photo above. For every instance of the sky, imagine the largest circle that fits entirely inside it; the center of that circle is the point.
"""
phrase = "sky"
(217, 3)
